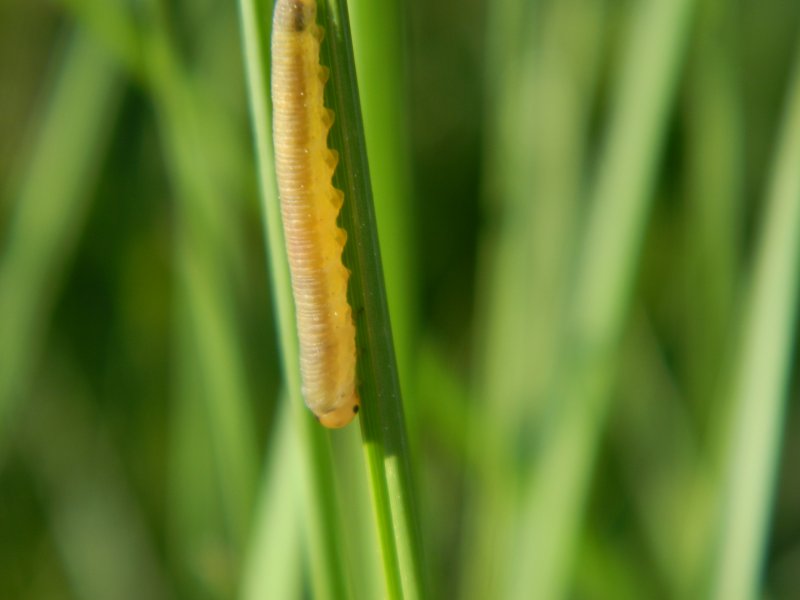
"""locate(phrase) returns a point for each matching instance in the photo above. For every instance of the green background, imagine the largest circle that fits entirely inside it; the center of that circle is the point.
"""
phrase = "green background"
(588, 212)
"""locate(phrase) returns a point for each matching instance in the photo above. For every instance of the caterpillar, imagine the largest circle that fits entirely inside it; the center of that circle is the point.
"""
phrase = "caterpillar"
(310, 205)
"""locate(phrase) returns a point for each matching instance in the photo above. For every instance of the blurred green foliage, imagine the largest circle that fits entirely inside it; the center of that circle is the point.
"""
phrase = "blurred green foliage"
(589, 217)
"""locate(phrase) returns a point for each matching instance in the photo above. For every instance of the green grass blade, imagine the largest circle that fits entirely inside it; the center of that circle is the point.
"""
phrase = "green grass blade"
(99, 528)
(378, 34)
(231, 430)
(49, 209)
(322, 516)
(715, 157)
(361, 540)
(114, 28)
(538, 175)
(383, 424)
(621, 197)
(382, 417)
(661, 460)
(622, 193)
(195, 520)
(273, 567)
(206, 230)
(761, 372)
(206, 237)
(540, 106)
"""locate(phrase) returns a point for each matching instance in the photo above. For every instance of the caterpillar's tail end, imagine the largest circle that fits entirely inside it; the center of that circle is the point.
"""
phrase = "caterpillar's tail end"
(341, 416)
(296, 15)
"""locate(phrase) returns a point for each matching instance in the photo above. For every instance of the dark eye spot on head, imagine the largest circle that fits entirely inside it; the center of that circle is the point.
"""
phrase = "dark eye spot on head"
(355, 409)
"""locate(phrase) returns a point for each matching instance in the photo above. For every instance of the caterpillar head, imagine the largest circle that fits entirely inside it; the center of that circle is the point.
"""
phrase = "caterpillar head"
(341, 415)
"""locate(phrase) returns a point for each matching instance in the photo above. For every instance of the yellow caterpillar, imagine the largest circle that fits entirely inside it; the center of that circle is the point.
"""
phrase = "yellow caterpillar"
(309, 206)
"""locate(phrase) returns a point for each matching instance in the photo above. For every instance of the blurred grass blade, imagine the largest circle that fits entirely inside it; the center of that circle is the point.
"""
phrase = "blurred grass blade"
(115, 25)
(322, 516)
(540, 105)
(111, 22)
(206, 230)
(382, 417)
(383, 424)
(661, 460)
(361, 539)
(761, 371)
(715, 157)
(101, 533)
(223, 392)
(273, 567)
(379, 44)
(537, 175)
(622, 193)
(49, 209)
(620, 201)
(197, 534)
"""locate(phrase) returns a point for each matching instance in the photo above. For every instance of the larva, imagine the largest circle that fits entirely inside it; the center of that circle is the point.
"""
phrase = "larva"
(309, 206)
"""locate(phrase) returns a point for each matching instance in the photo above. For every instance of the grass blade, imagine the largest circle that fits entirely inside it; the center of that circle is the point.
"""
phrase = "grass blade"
(715, 157)
(273, 566)
(104, 538)
(540, 107)
(49, 208)
(378, 30)
(761, 372)
(621, 196)
(322, 516)
(204, 231)
(382, 417)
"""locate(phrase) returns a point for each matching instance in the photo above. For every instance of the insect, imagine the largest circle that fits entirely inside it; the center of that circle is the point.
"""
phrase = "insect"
(309, 206)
